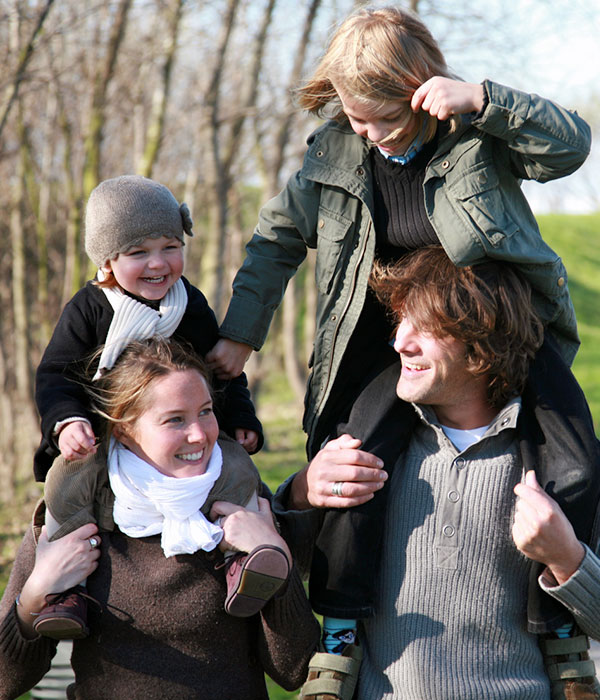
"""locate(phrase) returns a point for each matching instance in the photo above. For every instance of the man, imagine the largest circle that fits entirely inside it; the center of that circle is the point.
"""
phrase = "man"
(467, 554)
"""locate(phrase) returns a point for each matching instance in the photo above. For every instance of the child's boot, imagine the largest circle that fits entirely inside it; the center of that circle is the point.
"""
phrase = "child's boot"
(571, 672)
(65, 615)
(253, 579)
(332, 676)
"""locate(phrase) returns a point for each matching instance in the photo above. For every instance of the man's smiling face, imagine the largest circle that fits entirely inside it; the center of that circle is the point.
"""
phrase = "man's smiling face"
(434, 372)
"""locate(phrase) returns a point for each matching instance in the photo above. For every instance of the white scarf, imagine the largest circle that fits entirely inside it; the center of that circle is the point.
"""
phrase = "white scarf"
(148, 502)
(134, 320)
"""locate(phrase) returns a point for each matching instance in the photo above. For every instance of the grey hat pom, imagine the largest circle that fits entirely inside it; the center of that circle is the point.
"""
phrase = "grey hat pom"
(124, 211)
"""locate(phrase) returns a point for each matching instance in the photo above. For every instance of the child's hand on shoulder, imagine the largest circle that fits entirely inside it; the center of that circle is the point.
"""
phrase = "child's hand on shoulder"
(77, 440)
(248, 439)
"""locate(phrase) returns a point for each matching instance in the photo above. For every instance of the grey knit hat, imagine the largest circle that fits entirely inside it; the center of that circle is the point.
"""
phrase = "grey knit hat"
(123, 211)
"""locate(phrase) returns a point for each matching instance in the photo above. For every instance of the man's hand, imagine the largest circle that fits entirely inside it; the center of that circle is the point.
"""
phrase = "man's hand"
(444, 97)
(542, 532)
(77, 440)
(227, 358)
(358, 473)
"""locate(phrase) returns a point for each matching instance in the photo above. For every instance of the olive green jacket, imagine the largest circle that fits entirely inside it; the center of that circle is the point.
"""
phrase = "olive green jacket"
(472, 197)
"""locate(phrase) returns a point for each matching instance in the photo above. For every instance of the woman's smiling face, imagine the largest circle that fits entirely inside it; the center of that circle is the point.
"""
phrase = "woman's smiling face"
(177, 431)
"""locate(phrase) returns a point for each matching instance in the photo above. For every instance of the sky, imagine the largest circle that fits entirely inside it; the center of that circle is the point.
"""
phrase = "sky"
(549, 47)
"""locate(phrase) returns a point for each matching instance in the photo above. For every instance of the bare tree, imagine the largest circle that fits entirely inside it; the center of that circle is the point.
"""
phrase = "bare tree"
(24, 57)
(155, 130)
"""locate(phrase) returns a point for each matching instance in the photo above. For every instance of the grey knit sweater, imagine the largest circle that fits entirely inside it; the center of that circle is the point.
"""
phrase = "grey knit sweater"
(451, 620)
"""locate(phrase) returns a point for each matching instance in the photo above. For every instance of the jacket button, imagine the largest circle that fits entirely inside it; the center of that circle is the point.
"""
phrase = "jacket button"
(320, 154)
(560, 281)
(360, 172)
(482, 178)
(333, 317)
(446, 164)
(321, 223)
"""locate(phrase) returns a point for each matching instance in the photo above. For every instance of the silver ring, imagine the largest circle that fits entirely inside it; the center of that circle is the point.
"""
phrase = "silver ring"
(93, 542)
(336, 489)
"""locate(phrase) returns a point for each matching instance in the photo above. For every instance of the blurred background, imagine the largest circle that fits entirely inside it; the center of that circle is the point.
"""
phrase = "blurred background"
(199, 96)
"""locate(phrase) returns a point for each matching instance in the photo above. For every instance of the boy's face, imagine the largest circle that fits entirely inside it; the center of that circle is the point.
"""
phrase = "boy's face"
(149, 270)
(391, 125)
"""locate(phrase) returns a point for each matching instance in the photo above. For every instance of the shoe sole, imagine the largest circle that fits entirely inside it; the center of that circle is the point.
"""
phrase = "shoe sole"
(265, 572)
(59, 627)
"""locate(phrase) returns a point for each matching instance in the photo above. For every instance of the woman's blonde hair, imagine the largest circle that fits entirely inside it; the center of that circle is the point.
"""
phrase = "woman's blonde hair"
(376, 55)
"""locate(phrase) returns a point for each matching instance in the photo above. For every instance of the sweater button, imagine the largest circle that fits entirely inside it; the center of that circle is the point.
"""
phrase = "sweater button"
(448, 531)
(460, 463)
(454, 496)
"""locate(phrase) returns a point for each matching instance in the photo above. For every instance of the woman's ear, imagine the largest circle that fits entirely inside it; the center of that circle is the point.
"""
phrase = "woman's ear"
(120, 433)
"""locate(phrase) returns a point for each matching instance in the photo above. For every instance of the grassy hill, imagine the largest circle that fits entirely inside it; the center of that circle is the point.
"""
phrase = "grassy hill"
(577, 241)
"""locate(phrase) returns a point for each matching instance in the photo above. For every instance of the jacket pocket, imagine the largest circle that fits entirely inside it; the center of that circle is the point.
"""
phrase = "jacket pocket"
(331, 233)
(478, 200)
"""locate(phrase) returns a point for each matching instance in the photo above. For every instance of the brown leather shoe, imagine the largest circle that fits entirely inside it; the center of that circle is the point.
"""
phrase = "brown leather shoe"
(253, 579)
(65, 615)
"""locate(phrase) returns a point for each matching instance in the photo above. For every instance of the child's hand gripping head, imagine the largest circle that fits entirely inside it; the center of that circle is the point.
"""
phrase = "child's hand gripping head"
(134, 231)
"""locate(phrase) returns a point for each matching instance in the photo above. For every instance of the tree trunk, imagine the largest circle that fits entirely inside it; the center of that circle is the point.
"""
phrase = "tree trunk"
(24, 58)
(25, 420)
(154, 133)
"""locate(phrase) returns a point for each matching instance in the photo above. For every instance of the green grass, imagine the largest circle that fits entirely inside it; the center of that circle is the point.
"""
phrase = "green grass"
(576, 240)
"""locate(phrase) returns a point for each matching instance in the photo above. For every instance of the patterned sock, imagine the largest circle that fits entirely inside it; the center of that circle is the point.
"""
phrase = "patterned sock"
(338, 634)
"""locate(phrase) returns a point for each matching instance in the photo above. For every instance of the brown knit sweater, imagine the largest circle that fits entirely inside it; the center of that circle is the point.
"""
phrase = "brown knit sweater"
(163, 632)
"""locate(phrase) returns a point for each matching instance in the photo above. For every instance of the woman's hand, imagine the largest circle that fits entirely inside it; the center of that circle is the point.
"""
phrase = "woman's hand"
(228, 357)
(341, 466)
(59, 565)
(444, 97)
(245, 529)
(542, 532)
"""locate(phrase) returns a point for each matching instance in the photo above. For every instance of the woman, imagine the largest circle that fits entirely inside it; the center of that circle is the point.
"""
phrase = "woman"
(159, 628)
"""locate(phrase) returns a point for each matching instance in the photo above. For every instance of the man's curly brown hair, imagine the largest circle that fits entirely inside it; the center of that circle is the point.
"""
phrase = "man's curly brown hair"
(486, 306)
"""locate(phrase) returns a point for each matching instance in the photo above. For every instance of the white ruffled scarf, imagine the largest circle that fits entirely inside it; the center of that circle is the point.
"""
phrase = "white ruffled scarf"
(148, 502)
(134, 320)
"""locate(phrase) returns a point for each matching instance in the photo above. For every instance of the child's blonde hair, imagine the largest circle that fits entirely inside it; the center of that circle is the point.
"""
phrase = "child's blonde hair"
(376, 55)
